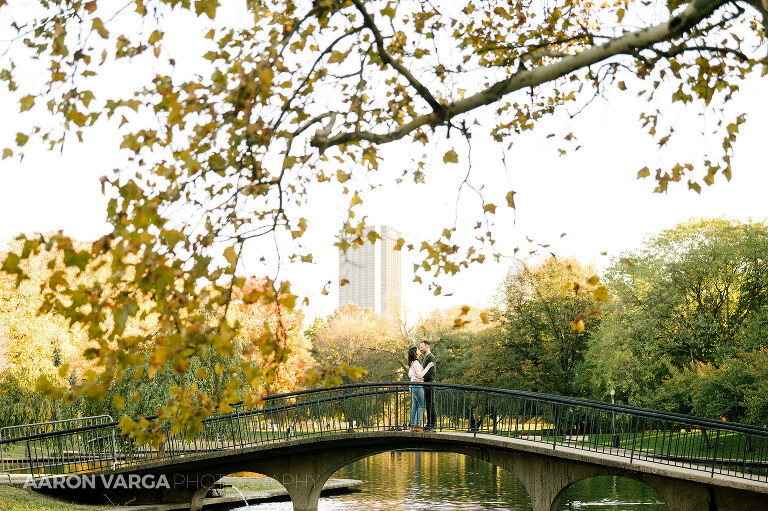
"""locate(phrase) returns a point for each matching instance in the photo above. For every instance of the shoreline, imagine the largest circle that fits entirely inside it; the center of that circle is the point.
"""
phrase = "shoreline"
(227, 496)
(332, 487)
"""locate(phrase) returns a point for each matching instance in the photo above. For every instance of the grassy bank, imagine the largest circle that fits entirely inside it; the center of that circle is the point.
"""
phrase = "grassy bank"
(13, 498)
(246, 487)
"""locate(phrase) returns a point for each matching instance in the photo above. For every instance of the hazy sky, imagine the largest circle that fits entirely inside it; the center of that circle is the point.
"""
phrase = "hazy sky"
(592, 194)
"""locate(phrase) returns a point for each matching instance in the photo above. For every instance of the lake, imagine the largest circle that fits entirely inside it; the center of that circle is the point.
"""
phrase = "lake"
(424, 481)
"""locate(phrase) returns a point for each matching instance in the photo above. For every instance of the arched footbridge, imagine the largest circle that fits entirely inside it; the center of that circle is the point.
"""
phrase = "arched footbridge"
(301, 438)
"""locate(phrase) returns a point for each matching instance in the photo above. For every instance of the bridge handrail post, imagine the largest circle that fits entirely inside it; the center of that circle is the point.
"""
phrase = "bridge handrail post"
(239, 430)
(397, 409)
(29, 457)
(634, 437)
(556, 421)
(232, 431)
(714, 454)
(114, 448)
(473, 423)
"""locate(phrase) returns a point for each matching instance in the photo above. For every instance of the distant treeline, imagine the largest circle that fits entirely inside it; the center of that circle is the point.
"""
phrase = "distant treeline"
(684, 329)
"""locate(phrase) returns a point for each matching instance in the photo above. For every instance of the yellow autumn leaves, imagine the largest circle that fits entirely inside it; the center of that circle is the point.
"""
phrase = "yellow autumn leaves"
(599, 292)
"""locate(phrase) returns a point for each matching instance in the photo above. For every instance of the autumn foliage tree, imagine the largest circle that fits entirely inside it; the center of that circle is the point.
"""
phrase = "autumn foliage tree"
(4, 352)
(42, 349)
(272, 337)
(302, 94)
(37, 343)
(356, 337)
(32, 346)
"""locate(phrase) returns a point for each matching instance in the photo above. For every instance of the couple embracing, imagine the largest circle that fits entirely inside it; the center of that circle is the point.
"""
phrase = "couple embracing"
(422, 398)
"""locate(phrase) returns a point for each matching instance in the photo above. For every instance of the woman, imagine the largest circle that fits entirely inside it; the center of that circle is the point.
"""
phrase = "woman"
(416, 373)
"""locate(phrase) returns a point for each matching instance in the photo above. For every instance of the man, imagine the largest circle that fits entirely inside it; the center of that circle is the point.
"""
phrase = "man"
(428, 390)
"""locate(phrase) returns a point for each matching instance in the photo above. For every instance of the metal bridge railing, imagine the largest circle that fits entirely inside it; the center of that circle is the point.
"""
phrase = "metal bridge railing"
(31, 448)
(713, 446)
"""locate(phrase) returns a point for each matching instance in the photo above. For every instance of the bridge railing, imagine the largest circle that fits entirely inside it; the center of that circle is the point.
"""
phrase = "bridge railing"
(58, 446)
(641, 435)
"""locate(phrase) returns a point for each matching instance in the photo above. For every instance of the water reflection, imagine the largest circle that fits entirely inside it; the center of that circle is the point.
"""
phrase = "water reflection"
(424, 481)
(611, 493)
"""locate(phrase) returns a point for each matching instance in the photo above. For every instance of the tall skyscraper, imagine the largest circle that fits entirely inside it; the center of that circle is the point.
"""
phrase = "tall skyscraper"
(373, 272)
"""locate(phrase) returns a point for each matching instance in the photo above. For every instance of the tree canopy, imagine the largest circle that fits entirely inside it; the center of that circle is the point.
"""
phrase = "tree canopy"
(359, 337)
(687, 327)
(287, 97)
(537, 335)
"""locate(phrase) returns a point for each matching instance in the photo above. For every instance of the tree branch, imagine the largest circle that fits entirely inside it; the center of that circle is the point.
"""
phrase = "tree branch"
(387, 59)
(677, 50)
(626, 44)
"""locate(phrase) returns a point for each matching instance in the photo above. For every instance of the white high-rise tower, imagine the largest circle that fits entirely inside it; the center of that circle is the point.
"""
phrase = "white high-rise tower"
(373, 272)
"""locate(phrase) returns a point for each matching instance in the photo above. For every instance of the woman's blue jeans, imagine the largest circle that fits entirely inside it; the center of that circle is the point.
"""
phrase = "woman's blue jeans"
(417, 405)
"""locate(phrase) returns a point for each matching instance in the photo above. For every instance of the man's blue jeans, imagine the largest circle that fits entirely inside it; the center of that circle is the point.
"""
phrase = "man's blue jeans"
(417, 405)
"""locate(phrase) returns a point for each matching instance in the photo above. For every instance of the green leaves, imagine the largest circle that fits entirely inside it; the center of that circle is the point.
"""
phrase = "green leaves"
(231, 256)
(207, 7)
(511, 199)
(98, 26)
(546, 322)
(27, 102)
(389, 10)
(155, 37)
(118, 402)
(11, 265)
(684, 306)
(601, 294)
(77, 258)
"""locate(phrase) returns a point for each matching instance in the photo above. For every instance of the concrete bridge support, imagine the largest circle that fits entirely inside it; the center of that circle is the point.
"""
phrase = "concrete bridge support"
(303, 475)
(546, 479)
(729, 499)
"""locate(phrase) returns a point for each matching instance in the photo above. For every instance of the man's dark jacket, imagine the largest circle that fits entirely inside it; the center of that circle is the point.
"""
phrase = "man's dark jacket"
(430, 376)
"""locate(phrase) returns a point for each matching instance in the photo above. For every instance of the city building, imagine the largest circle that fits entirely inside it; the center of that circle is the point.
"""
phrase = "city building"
(373, 273)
